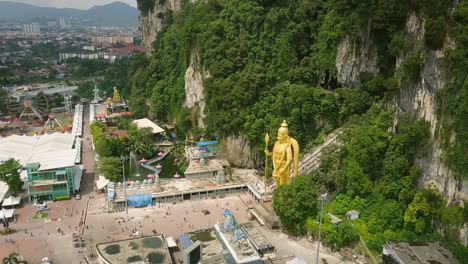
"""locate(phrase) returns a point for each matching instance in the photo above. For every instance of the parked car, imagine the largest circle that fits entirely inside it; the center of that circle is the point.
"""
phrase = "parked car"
(78, 197)
(43, 208)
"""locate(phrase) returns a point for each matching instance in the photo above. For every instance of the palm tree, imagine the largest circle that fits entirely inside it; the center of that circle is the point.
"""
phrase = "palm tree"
(13, 258)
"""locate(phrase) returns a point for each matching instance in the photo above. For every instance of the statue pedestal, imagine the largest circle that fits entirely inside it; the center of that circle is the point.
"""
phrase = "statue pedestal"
(265, 213)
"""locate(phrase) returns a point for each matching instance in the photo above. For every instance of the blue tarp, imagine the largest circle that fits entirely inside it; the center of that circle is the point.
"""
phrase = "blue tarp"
(110, 195)
(203, 148)
(185, 240)
(207, 143)
(139, 200)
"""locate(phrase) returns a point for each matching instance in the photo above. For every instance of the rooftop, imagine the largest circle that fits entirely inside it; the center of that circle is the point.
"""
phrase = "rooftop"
(24, 148)
(420, 252)
(145, 122)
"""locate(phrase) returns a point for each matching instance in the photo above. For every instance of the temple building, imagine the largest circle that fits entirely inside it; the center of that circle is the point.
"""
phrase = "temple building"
(115, 106)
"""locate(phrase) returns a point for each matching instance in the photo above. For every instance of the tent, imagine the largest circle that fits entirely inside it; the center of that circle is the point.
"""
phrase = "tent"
(296, 261)
(140, 200)
(102, 182)
(207, 143)
(7, 213)
(11, 201)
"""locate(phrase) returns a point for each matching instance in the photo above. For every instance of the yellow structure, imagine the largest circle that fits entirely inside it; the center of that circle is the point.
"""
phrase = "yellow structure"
(109, 101)
(285, 151)
(116, 98)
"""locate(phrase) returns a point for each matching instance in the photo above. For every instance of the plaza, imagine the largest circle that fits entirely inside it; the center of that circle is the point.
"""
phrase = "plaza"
(185, 206)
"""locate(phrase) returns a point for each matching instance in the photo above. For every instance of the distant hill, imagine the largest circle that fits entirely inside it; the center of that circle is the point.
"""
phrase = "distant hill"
(116, 13)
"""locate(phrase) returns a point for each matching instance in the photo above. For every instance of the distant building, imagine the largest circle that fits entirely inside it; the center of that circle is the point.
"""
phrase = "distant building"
(108, 41)
(62, 22)
(51, 23)
(417, 253)
(33, 28)
(91, 56)
(91, 48)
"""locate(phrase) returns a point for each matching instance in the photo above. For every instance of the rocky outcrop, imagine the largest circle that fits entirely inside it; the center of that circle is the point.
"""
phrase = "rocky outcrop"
(354, 58)
(418, 100)
(238, 152)
(151, 23)
(194, 97)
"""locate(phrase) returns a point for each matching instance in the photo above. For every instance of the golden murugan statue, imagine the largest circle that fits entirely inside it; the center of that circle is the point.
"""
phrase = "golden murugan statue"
(286, 149)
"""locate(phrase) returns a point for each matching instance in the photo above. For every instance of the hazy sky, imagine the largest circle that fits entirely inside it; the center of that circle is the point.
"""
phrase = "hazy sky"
(82, 4)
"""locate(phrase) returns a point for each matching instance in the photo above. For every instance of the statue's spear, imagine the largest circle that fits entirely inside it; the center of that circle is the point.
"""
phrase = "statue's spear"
(267, 140)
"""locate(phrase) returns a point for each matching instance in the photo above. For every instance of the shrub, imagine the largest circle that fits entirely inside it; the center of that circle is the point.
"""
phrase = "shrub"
(61, 198)
(152, 242)
(435, 32)
(134, 258)
(412, 67)
(112, 249)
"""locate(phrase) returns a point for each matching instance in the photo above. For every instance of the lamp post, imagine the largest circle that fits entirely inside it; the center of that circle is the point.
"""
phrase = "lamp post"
(322, 197)
(123, 159)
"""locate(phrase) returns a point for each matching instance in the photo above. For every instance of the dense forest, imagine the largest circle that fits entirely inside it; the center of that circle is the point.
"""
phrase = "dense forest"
(272, 60)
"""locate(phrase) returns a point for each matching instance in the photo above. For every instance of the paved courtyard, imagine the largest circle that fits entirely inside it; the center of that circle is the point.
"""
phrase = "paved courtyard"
(52, 236)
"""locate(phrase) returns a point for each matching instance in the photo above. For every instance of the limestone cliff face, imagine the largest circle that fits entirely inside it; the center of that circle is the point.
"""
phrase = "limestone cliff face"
(355, 57)
(151, 23)
(415, 99)
(238, 152)
(419, 101)
(194, 97)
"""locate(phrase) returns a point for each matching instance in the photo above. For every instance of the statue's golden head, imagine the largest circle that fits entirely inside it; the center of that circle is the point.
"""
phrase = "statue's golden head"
(283, 131)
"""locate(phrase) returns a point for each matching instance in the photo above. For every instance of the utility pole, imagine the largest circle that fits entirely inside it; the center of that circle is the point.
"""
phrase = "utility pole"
(123, 159)
(322, 197)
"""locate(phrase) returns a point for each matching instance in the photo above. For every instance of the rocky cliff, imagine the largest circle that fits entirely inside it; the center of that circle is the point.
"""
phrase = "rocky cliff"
(354, 58)
(194, 97)
(417, 99)
(152, 22)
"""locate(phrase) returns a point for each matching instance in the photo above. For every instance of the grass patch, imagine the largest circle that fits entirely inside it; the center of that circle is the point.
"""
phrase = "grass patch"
(40, 215)
(134, 258)
(202, 236)
(152, 242)
(112, 249)
(155, 257)
(133, 246)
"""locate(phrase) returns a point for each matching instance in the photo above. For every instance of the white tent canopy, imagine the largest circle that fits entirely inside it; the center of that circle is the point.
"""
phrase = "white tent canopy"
(102, 182)
(145, 122)
(10, 201)
(7, 213)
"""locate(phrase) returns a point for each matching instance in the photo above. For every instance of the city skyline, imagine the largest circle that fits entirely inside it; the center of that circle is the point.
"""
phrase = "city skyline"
(82, 4)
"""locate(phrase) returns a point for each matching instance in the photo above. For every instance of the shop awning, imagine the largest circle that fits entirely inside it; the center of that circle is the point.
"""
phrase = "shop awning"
(10, 201)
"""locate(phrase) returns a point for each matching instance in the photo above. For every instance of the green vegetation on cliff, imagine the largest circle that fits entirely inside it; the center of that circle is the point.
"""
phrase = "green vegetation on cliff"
(266, 60)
